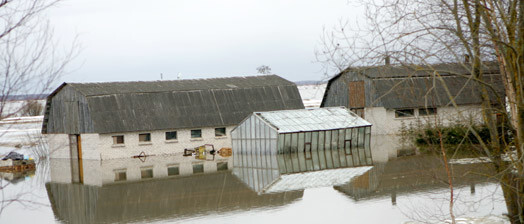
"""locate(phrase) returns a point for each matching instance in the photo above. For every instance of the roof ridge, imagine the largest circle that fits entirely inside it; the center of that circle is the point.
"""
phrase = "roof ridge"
(175, 80)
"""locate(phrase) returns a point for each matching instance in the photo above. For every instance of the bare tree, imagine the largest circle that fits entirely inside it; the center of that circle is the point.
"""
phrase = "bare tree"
(473, 33)
(264, 69)
(30, 61)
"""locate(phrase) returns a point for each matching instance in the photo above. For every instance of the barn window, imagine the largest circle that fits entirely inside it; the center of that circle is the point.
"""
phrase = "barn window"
(221, 166)
(172, 170)
(146, 172)
(198, 168)
(118, 139)
(171, 135)
(220, 132)
(427, 111)
(145, 137)
(404, 113)
(120, 175)
(197, 133)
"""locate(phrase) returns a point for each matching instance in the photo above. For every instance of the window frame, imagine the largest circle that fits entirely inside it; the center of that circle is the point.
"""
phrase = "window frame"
(434, 111)
(398, 112)
(221, 136)
(191, 133)
(146, 169)
(222, 166)
(177, 167)
(196, 167)
(147, 138)
(118, 174)
(115, 139)
(172, 139)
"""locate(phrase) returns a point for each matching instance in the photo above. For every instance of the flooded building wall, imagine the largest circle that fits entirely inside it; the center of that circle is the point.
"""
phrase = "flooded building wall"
(102, 146)
(326, 132)
(98, 173)
(393, 97)
(327, 146)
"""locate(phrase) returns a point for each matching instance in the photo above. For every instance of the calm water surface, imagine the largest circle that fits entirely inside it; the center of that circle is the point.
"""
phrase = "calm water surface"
(221, 190)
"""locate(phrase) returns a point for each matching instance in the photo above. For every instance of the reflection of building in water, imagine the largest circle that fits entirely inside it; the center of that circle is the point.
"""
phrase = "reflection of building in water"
(123, 119)
(270, 173)
(131, 190)
(100, 172)
(408, 175)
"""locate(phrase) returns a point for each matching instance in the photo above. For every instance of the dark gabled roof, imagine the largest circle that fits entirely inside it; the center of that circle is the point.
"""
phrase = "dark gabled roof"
(400, 71)
(116, 107)
(410, 86)
(106, 88)
(431, 92)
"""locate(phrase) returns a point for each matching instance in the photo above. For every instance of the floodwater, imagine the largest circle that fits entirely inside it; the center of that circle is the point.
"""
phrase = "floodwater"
(188, 189)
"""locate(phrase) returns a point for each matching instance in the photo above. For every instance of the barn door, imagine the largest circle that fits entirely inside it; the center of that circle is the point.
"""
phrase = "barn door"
(357, 98)
(72, 116)
(75, 147)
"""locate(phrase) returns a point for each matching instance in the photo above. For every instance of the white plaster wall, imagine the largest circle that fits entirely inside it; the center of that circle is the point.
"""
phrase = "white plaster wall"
(60, 170)
(58, 146)
(90, 144)
(384, 147)
(158, 144)
(91, 172)
(385, 122)
(385, 141)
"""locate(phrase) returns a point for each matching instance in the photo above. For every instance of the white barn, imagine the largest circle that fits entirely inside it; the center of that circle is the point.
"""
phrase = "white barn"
(123, 119)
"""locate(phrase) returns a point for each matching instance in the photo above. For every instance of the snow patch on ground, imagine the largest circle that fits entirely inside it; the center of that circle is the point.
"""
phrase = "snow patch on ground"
(472, 220)
(512, 156)
(312, 94)
(19, 134)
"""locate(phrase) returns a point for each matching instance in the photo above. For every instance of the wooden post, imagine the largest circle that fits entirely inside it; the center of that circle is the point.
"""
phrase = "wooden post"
(80, 163)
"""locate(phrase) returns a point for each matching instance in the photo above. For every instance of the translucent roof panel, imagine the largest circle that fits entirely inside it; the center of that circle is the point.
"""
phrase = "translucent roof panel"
(313, 119)
(315, 179)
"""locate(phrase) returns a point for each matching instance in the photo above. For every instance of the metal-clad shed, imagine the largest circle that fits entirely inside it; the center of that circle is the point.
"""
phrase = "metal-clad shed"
(116, 107)
(393, 86)
(334, 135)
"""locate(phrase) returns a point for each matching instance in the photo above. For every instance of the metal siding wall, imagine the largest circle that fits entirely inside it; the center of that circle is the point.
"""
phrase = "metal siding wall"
(69, 113)
(337, 94)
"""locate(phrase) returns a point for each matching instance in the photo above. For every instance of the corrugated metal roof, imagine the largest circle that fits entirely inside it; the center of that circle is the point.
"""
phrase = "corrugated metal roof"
(106, 88)
(398, 71)
(328, 118)
(117, 107)
(430, 92)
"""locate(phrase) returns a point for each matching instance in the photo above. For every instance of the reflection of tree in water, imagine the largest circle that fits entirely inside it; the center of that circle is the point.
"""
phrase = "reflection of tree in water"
(20, 188)
(418, 187)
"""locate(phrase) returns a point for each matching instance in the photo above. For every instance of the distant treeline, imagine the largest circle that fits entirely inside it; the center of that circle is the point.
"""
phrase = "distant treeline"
(27, 97)
(310, 82)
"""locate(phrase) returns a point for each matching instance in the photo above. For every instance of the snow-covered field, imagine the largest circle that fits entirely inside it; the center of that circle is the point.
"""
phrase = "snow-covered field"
(312, 94)
(19, 133)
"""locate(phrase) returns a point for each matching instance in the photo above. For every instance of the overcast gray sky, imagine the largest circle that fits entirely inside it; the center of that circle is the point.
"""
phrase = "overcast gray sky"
(125, 40)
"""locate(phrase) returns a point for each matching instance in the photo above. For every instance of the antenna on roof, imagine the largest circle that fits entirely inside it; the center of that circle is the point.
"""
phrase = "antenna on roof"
(161, 76)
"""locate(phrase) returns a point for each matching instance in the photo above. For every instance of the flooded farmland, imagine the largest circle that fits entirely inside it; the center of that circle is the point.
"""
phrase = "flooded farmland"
(187, 189)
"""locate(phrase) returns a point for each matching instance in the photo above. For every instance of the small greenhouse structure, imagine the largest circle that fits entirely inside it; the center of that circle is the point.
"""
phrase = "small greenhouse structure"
(320, 138)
